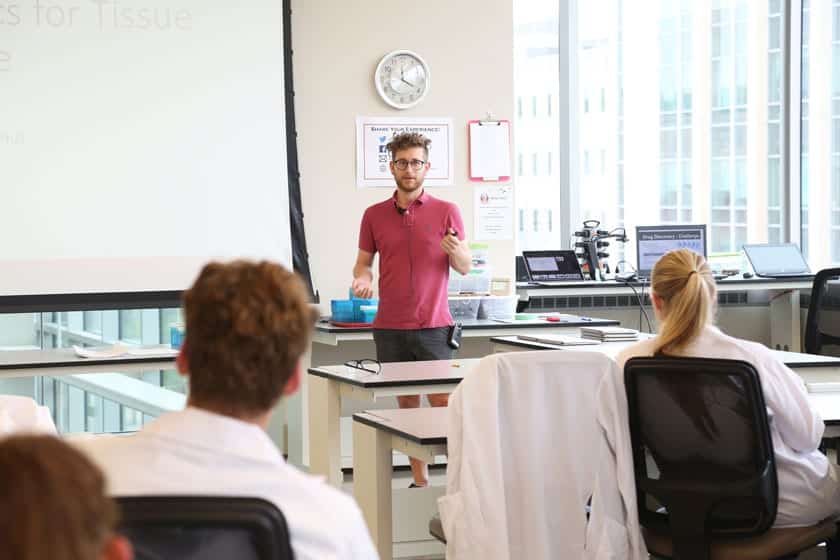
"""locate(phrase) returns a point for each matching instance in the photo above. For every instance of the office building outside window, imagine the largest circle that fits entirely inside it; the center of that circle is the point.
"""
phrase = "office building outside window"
(685, 100)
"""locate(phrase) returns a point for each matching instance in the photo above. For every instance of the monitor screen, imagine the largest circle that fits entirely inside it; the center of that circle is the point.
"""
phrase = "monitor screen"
(550, 266)
(654, 241)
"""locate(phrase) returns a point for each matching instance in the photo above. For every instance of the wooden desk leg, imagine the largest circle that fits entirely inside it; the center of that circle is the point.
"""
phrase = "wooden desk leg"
(372, 472)
(324, 429)
(784, 322)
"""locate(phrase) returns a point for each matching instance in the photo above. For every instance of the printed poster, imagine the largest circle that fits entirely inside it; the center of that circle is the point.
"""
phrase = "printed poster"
(372, 158)
(493, 212)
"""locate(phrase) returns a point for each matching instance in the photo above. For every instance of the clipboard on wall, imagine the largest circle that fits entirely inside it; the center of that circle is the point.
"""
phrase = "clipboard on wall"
(489, 143)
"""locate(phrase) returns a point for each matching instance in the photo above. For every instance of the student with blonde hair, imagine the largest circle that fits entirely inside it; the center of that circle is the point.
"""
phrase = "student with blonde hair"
(684, 298)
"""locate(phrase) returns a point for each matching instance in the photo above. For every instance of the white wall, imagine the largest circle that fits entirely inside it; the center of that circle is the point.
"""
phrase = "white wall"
(337, 44)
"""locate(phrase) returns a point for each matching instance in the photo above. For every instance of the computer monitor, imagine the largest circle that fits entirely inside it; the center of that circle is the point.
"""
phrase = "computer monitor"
(552, 266)
(654, 241)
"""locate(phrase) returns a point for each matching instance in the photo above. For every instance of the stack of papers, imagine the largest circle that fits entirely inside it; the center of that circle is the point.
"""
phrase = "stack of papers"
(609, 334)
(557, 339)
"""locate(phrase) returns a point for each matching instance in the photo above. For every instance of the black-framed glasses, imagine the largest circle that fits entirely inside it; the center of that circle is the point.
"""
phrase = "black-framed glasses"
(366, 364)
(402, 164)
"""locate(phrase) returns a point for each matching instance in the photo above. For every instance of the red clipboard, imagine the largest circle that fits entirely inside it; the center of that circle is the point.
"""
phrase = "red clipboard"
(489, 150)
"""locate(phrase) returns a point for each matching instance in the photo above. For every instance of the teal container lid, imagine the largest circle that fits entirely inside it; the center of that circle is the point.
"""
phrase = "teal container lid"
(526, 317)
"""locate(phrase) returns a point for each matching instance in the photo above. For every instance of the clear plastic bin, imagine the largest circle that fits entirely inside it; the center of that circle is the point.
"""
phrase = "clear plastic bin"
(498, 307)
(464, 308)
(471, 283)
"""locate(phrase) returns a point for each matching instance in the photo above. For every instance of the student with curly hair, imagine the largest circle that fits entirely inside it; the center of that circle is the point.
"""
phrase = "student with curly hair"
(247, 326)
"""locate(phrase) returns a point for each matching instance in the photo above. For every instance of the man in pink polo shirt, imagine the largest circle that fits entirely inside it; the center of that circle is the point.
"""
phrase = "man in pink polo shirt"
(418, 237)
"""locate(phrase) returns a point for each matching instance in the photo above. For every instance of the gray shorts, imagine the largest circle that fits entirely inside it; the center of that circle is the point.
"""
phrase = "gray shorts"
(394, 345)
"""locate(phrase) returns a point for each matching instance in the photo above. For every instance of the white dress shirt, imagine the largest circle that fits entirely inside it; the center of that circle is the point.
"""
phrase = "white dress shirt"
(808, 487)
(201, 453)
(22, 415)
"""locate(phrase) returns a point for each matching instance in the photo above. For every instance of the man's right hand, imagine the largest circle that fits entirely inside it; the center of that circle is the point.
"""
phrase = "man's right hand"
(362, 287)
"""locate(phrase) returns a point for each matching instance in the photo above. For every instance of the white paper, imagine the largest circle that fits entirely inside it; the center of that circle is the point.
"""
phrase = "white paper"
(373, 133)
(122, 350)
(493, 213)
(489, 150)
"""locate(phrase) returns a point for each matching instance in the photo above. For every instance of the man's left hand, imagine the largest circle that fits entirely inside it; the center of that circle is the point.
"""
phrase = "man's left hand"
(458, 251)
(450, 243)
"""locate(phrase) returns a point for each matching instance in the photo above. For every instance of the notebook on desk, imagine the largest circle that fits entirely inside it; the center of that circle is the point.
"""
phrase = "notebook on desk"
(557, 339)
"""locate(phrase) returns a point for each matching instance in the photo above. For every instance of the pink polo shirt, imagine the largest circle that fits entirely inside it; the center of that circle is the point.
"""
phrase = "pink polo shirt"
(413, 269)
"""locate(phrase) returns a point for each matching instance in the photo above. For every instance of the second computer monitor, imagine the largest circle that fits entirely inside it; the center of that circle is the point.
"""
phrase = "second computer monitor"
(654, 241)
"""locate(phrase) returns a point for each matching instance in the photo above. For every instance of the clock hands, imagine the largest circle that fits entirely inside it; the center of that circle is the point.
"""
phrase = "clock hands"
(402, 77)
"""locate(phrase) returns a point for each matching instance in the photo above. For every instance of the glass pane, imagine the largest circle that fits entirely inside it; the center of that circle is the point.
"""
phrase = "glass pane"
(131, 325)
(536, 63)
(647, 125)
(820, 169)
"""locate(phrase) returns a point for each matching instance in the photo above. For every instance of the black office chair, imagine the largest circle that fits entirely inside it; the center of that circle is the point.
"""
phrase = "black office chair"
(204, 527)
(822, 328)
(704, 465)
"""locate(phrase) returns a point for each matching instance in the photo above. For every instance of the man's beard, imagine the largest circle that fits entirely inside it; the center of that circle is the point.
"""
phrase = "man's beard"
(410, 187)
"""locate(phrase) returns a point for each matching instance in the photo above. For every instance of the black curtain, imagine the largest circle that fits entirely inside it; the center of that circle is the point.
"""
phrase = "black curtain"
(300, 255)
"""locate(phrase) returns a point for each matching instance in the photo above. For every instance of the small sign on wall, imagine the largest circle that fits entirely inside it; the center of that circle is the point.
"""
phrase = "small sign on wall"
(372, 157)
(493, 212)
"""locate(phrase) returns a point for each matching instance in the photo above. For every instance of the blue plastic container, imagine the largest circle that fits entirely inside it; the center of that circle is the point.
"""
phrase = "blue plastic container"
(341, 310)
(368, 313)
(358, 316)
(176, 336)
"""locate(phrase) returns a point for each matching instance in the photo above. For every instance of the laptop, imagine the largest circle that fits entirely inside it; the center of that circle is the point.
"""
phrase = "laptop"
(552, 267)
(654, 241)
(777, 260)
(521, 270)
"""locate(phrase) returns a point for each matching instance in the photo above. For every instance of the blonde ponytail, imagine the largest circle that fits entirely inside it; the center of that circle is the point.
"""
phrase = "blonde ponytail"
(684, 283)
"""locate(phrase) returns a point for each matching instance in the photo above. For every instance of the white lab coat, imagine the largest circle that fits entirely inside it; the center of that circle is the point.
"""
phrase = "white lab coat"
(200, 453)
(24, 415)
(808, 487)
(526, 450)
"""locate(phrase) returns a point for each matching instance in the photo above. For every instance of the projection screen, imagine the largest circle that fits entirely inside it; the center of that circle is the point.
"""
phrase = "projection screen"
(138, 140)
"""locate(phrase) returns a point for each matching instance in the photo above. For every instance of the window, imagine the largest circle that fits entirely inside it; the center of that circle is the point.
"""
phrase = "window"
(676, 148)
(74, 405)
(820, 137)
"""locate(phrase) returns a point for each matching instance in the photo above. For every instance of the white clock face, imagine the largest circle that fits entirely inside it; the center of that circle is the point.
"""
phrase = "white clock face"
(402, 79)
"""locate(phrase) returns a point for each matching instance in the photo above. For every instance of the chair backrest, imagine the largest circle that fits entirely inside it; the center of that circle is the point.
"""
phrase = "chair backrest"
(701, 448)
(204, 527)
(822, 327)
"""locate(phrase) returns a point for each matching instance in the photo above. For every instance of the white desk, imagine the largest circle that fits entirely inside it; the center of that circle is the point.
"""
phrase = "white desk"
(785, 325)
(325, 333)
(812, 368)
(421, 432)
(23, 363)
(417, 432)
(313, 416)
(328, 385)
(100, 376)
